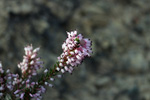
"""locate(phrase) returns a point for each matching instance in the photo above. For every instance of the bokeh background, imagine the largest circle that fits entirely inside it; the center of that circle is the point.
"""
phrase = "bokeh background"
(119, 68)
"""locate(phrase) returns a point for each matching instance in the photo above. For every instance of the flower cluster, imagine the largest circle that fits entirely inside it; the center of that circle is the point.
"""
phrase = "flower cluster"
(75, 49)
(7, 81)
(29, 67)
(31, 63)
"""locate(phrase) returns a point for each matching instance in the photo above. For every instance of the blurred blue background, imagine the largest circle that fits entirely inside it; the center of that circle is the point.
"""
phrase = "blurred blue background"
(119, 68)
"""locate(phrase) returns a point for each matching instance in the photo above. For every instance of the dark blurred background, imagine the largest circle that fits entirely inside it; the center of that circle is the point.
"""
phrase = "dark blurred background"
(119, 68)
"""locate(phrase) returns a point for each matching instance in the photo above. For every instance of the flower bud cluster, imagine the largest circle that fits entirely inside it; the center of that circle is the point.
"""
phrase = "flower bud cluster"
(29, 66)
(31, 63)
(20, 93)
(38, 95)
(75, 49)
(7, 80)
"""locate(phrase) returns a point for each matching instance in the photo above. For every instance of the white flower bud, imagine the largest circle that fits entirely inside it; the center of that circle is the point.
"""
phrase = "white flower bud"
(57, 68)
(62, 70)
(45, 71)
(36, 50)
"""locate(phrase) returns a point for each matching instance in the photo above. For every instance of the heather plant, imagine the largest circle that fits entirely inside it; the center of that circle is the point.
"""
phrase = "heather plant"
(15, 87)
